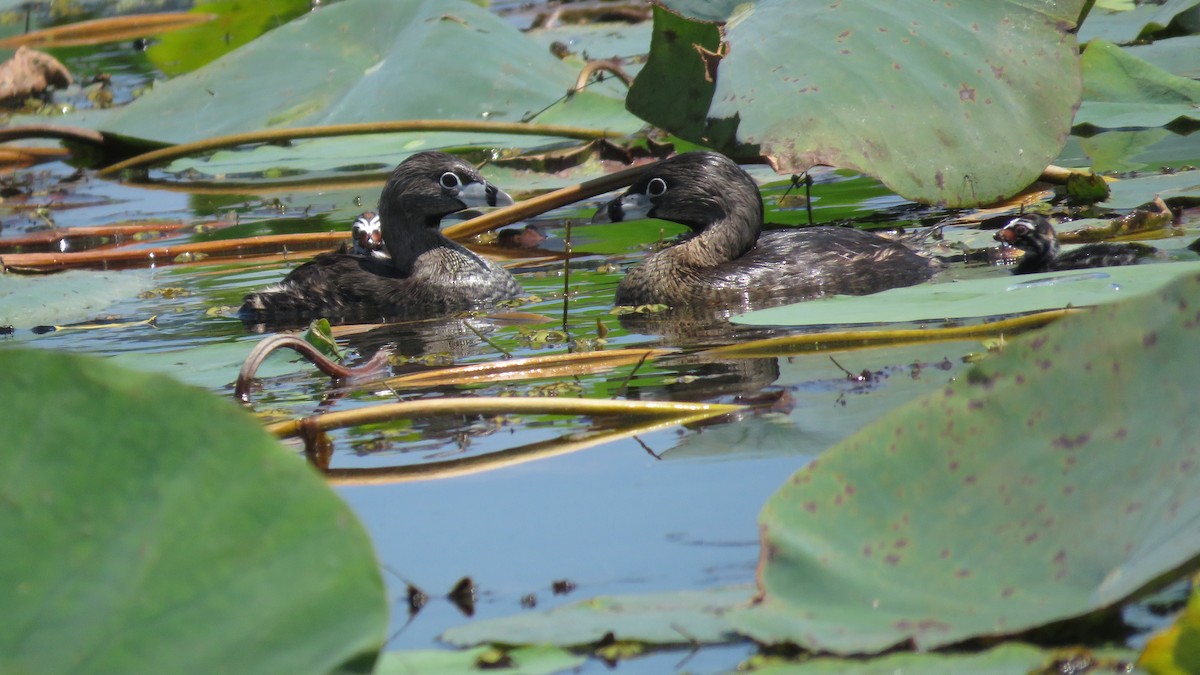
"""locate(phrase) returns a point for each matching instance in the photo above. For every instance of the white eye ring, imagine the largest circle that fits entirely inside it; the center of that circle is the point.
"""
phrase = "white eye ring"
(450, 180)
(656, 187)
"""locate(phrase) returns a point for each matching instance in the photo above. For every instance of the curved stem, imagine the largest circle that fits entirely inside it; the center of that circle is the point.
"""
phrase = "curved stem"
(241, 390)
(295, 133)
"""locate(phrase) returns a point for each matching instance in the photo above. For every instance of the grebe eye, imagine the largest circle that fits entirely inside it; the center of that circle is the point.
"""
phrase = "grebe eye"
(656, 187)
(451, 181)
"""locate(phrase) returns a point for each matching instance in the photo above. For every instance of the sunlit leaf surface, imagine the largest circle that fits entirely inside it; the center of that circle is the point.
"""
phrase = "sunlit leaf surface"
(990, 507)
(160, 529)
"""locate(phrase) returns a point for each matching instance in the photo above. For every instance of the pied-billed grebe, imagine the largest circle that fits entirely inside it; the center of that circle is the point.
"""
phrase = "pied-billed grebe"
(1035, 236)
(367, 236)
(427, 274)
(726, 263)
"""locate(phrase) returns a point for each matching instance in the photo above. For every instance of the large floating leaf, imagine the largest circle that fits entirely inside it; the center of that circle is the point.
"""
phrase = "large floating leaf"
(660, 618)
(926, 96)
(994, 296)
(522, 661)
(1006, 659)
(1176, 55)
(1124, 91)
(1053, 480)
(1130, 193)
(362, 61)
(27, 301)
(156, 528)
(1127, 26)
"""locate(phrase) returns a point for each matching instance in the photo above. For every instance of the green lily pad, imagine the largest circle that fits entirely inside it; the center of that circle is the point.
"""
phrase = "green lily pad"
(66, 297)
(927, 97)
(162, 530)
(1139, 150)
(679, 617)
(363, 61)
(1005, 659)
(520, 661)
(993, 296)
(1126, 26)
(1054, 480)
(1130, 193)
(1123, 91)
(1175, 55)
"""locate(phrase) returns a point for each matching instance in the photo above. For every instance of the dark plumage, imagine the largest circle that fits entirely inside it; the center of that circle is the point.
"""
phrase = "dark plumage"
(427, 274)
(725, 263)
(1035, 236)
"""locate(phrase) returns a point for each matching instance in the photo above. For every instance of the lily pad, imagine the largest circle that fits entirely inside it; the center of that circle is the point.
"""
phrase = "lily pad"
(1127, 26)
(67, 297)
(680, 617)
(927, 97)
(1131, 193)
(370, 60)
(1122, 91)
(994, 296)
(989, 508)
(162, 530)
(521, 661)
(1003, 660)
(1175, 55)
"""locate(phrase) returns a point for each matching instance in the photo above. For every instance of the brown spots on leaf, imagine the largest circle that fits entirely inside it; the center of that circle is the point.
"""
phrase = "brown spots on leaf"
(1120, 433)
(1031, 537)
(953, 466)
(849, 489)
(1019, 379)
(1045, 364)
(1007, 592)
(900, 543)
(966, 93)
(891, 559)
(975, 404)
(1037, 342)
(962, 573)
(670, 36)
(895, 66)
(1149, 340)
(1065, 442)
(969, 480)
(867, 550)
(811, 507)
(845, 52)
(998, 72)
(1132, 507)
(1116, 368)
(1068, 490)
(844, 35)
(944, 553)
(940, 179)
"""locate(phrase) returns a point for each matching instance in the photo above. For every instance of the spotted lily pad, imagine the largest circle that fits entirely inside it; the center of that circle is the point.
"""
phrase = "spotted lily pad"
(997, 295)
(154, 527)
(1051, 481)
(926, 96)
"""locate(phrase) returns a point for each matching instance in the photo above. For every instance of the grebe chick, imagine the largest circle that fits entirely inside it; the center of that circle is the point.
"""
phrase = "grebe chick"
(1034, 234)
(367, 236)
(427, 274)
(725, 262)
